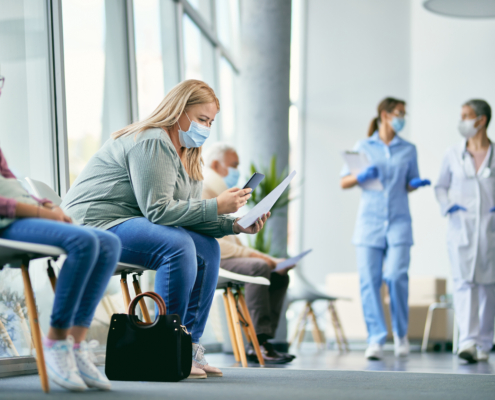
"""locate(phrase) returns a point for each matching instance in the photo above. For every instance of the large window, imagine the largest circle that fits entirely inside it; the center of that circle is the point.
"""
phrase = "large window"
(96, 75)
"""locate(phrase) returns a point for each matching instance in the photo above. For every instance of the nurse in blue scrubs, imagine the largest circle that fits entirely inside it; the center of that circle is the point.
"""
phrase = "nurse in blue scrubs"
(383, 234)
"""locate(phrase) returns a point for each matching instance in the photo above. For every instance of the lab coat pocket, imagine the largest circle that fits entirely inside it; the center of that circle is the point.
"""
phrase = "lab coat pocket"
(457, 229)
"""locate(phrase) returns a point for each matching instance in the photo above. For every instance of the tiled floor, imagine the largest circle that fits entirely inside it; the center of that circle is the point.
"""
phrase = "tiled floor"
(310, 358)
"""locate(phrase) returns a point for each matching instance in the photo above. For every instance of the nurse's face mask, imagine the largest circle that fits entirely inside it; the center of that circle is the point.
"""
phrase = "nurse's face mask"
(467, 129)
(195, 136)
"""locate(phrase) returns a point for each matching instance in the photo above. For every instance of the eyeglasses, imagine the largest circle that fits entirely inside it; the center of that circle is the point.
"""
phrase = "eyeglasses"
(400, 114)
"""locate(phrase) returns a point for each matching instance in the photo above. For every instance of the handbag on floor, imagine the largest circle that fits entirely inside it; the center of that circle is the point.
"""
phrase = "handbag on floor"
(136, 351)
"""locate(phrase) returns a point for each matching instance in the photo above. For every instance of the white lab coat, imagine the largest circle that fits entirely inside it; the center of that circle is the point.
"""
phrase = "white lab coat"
(471, 233)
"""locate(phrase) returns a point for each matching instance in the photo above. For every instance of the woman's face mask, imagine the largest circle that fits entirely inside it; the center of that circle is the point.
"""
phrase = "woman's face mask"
(232, 177)
(195, 136)
(467, 129)
(397, 124)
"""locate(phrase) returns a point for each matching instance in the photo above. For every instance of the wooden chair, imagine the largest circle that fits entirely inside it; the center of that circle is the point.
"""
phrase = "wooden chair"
(238, 317)
(18, 255)
(302, 290)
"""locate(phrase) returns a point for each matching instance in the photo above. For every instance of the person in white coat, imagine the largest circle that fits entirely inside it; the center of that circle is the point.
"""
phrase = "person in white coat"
(466, 193)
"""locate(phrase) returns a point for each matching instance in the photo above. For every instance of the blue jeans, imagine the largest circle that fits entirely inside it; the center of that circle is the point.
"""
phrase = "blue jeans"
(92, 255)
(372, 273)
(186, 265)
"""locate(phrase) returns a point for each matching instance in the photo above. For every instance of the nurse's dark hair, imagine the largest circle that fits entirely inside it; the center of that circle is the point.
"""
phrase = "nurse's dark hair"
(480, 107)
(388, 104)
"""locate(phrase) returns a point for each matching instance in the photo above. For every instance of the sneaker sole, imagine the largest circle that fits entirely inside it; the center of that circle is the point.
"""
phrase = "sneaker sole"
(214, 374)
(197, 376)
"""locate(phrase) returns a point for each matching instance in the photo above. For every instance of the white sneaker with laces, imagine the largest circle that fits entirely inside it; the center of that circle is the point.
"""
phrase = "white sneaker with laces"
(90, 374)
(401, 346)
(468, 353)
(61, 365)
(374, 352)
(482, 355)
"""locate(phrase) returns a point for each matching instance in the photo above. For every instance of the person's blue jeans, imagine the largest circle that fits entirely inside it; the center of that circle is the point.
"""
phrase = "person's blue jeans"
(186, 265)
(92, 256)
(372, 273)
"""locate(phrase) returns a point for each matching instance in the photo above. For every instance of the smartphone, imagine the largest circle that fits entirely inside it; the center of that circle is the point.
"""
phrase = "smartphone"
(254, 181)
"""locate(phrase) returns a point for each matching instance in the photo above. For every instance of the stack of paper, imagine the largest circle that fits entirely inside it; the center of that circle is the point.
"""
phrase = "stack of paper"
(357, 163)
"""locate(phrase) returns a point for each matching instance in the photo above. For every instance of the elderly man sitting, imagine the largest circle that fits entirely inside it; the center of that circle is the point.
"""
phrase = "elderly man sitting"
(264, 302)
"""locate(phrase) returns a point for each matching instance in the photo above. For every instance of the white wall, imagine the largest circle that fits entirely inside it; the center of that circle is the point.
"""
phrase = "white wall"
(358, 52)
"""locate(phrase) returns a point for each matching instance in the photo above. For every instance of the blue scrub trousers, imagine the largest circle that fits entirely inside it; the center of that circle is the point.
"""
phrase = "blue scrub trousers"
(376, 265)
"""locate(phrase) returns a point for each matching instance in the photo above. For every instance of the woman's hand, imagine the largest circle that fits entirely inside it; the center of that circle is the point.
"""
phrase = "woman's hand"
(369, 173)
(231, 200)
(253, 229)
(56, 214)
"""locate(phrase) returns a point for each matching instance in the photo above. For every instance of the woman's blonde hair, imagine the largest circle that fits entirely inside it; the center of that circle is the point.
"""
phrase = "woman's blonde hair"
(182, 96)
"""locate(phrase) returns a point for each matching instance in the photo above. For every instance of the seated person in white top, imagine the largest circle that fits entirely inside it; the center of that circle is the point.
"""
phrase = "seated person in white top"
(264, 302)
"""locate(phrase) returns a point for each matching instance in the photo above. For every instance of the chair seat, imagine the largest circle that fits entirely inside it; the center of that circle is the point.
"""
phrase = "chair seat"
(129, 268)
(225, 277)
(14, 250)
(302, 292)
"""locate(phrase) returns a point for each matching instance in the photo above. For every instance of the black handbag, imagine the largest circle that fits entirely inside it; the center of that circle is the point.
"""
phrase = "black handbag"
(158, 352)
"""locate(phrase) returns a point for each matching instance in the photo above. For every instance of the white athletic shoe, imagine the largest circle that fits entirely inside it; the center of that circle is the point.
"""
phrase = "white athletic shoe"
(374, 352)
(468, 353)
(90, 374)
(61, 365)
(401, 346)
(482, 355)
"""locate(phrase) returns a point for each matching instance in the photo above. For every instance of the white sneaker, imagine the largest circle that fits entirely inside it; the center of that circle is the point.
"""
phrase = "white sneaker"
(468, 353)
(61, 365)
(482, 355)
(401, 346)
(374, 351)
(90, 374)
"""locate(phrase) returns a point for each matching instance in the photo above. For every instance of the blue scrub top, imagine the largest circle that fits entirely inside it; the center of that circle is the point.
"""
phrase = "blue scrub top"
(383, 217)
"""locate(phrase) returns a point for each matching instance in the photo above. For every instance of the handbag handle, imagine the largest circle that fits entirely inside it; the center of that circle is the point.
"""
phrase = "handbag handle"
(162, 308)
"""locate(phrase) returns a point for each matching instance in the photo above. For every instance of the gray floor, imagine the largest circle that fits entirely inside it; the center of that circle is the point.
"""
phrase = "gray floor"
(256, 383)
(310, 358)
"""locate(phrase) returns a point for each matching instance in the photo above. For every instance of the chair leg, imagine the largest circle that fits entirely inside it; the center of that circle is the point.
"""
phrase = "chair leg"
(334, 318)
(343, 337)
(302, 316)
(4, 334)
(426, 334)
(316, 329)
(230, 326)
(250, 327)
(51, 275)
(125, 291)
(455, 337)
(237, 328)
(142, 303)
(302, 333)
(35, 329)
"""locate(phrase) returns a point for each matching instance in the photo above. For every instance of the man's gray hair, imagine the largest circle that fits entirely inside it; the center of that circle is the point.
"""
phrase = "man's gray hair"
(480, 107)
(216, 152)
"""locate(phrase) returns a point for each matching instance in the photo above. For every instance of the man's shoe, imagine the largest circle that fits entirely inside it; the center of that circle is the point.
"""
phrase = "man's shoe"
(199, 362)
(88, 371)
(270, 355)
(401, 346)
(468, 353)
(374, 352)
(482, 355)
(61, 365)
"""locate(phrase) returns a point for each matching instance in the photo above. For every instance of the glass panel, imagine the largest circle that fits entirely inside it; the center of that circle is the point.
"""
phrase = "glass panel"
(204, 8)
(96, 75)
(199, 56)
(26, 139)
(227, 100)
(228, 24)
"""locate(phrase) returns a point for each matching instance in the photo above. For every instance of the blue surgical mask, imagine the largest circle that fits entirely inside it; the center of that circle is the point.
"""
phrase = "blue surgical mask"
(397, 124)
(195, 136)
(232, 177)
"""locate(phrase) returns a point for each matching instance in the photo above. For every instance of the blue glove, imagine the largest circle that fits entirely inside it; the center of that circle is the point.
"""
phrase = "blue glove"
(455, 208)
(418, 182)
(492, 209)
(369, 173)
